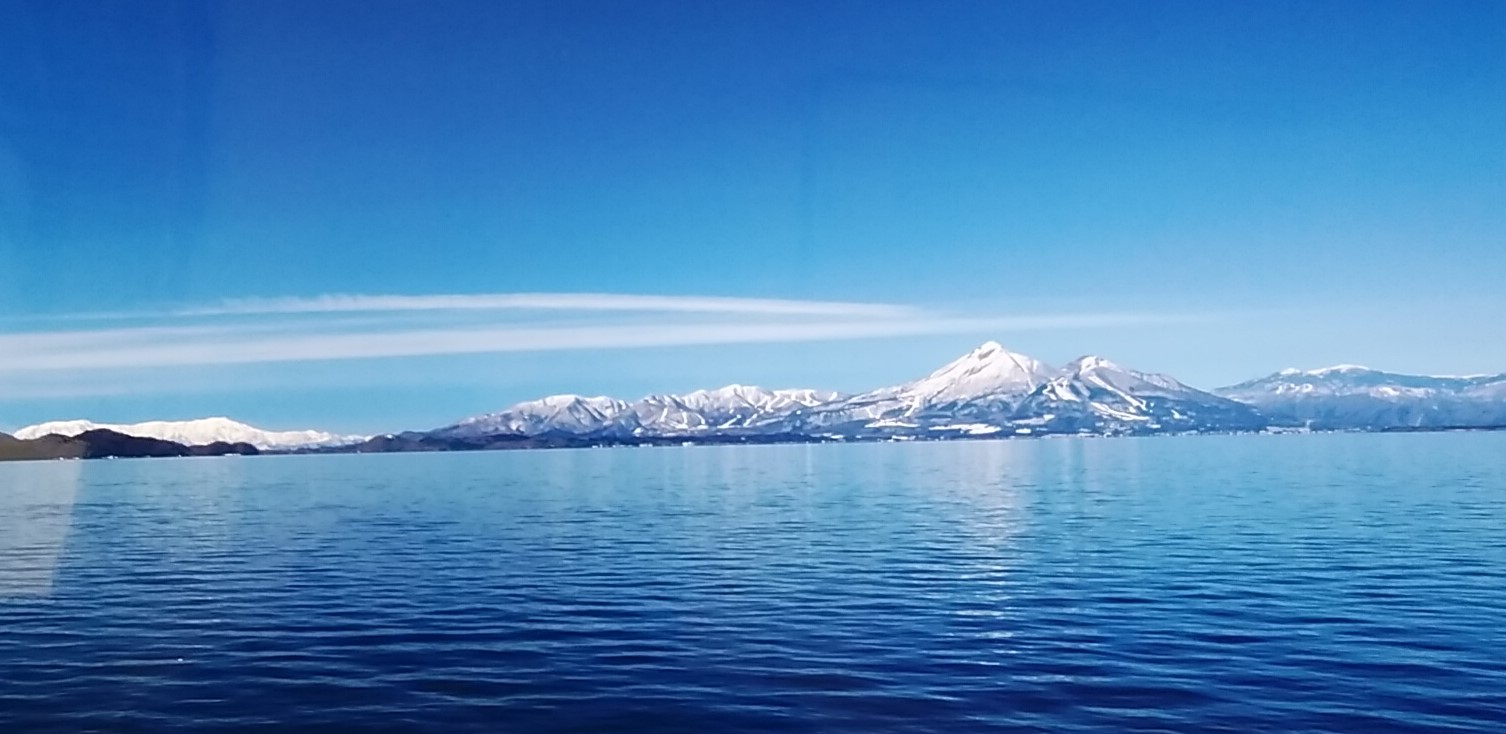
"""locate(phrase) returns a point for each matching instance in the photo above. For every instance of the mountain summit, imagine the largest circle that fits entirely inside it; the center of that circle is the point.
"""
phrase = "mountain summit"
(988, 390)
(1092, 394)
(988, 370)
(991, 374)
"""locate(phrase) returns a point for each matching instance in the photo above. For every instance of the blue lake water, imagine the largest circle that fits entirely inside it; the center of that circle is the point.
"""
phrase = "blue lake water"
(1346, 583)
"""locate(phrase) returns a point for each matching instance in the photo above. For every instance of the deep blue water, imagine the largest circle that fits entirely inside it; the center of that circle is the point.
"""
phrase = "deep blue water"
(1347, 583)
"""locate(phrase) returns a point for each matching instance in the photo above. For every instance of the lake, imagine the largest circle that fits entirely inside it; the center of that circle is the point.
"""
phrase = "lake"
(1343, 583)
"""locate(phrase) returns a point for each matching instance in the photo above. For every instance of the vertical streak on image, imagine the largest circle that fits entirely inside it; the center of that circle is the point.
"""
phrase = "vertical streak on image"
(36, 514)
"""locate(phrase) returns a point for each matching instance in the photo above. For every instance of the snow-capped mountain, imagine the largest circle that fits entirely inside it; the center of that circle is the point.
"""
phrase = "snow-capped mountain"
(987, 382)
(986, 391)
(728, 409)
(1351, 396)
(1486, 388)
(197, 433)
(1095, 395)
(575, 415)
(992, 390)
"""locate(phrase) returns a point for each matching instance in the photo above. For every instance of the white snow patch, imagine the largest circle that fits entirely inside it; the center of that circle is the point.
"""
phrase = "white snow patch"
(975, 429)
(197, 433)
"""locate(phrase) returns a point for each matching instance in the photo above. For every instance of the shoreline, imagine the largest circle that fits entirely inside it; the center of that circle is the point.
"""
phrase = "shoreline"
(558, 443)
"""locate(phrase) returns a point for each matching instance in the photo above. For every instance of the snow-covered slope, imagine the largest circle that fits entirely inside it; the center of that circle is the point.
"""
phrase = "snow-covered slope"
(197, 433)
(1489, 388)
(1348, 379)
(992, 390)
(989, 379)
(574, 415)
(988, 370)
(1093, 394)
(986, 391)
(1350, 396)
(732, 408)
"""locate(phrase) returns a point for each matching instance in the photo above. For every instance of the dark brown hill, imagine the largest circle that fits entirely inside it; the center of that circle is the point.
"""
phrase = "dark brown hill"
(101, 443)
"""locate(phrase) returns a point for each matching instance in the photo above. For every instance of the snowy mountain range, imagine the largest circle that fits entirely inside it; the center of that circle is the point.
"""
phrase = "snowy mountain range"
(734, 408)
(1355, 397)
(196, 433)
(1092, 394)
(988, 391)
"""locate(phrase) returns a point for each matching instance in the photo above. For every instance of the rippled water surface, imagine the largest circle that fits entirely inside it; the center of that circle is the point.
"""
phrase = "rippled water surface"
(1256, 583)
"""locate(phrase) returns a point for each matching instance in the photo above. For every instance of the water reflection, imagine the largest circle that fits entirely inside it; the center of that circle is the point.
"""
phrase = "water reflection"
(36, 513)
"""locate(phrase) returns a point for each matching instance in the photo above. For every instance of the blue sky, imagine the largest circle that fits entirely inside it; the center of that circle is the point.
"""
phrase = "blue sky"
(1215, 190)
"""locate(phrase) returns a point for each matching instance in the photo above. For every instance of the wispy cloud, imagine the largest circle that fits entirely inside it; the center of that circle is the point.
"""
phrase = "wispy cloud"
(601, 302)
(286, 330)
(147, 348)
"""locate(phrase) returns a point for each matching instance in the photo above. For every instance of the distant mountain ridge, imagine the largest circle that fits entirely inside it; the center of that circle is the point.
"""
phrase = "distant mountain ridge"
(990, 391)
(1359, 398)
(101, 443)
(734, 408)
(1094, 395)
(987, 391)
(200, 432)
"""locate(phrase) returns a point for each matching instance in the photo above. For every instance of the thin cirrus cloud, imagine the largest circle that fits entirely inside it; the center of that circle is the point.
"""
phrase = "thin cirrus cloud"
(270, 336)
(603, 302)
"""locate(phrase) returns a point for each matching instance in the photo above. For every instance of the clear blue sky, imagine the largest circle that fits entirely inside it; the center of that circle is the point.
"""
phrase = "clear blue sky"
(1215, 190)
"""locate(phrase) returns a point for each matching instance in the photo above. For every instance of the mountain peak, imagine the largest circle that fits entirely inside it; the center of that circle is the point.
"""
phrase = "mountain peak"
(1092, 362)
(990, 351)
(1338, 369)
(567, 399)
(989, 369)
(737, 389)
(1341, 368)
